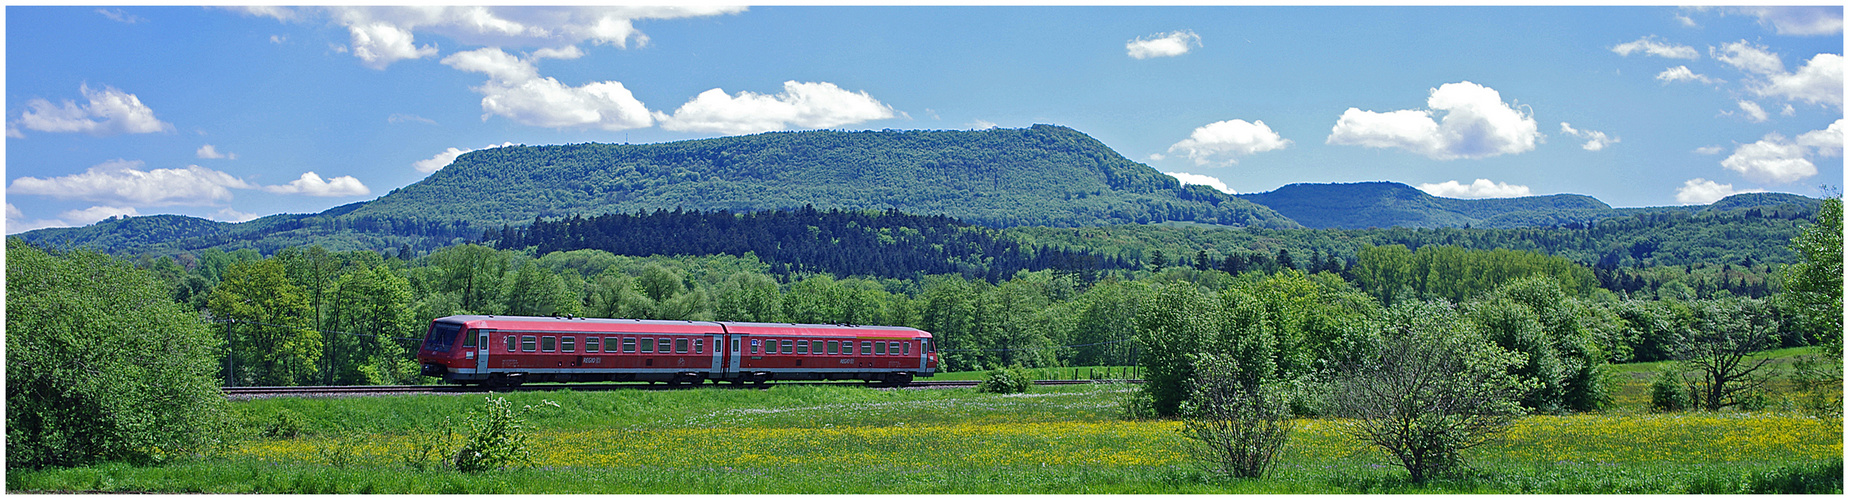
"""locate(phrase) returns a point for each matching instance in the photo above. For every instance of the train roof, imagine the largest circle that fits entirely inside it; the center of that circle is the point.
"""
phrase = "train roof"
(601, 325)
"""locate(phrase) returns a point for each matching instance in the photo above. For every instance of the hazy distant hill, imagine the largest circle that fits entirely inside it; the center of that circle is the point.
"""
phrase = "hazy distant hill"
(1390, 204)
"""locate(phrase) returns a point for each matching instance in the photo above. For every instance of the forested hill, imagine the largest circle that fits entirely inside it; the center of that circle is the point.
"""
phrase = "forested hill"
(1039, 176)
(886, 244)
(1364, 205)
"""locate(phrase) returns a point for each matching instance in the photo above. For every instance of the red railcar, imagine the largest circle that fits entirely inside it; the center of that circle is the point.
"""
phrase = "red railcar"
(509, 350)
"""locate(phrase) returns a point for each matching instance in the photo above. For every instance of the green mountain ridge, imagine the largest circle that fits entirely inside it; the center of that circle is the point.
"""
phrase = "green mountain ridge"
(1039, 176)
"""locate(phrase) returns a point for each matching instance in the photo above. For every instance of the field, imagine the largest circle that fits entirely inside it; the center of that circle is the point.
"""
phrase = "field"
(819, 439)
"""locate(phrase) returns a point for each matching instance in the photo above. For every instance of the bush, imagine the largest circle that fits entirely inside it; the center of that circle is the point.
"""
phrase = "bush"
(1237, 429)
(1006, 381)
(497, 437)
(1435, 389)
(1667, 393)
(101, 364)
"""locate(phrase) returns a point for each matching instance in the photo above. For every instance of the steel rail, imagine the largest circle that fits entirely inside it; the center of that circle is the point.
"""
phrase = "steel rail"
(389, 390)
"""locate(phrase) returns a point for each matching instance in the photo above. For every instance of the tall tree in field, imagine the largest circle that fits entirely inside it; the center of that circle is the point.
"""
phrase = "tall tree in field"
(270, 341)
(374, 302)
(81, 385)
(1814, 286)
(1725, 333)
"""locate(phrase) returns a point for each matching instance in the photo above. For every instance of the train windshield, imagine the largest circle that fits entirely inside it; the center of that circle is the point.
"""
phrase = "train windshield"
(441, 336)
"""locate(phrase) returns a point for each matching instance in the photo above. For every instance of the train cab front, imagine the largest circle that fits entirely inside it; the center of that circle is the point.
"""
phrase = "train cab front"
(449, 352)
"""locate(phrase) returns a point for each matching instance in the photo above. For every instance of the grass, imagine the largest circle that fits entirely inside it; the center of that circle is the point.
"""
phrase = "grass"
(814, 439)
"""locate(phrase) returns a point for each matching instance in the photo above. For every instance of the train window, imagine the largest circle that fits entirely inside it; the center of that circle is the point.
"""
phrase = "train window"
(834, 347)
(699, 346)
(468, 339)
(879, 348)
(648, 345)
(680, 346)
(569, 344)
(908, 348)
(529, 343)
(802, 347)
(593, 344)
(548, 343)
(662, 345)
(847, 347)
(754, 346)
(629, 344)
(786, 347)
(927, 347)
(511, 339)
(892, 348)
(734, 347)
(866, 348)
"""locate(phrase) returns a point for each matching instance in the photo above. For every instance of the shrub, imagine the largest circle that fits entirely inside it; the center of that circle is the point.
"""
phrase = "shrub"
(1667, 393)
(1237, 429)
(101, 363)
(1006, 381)
(497, 437)
(1435, 389)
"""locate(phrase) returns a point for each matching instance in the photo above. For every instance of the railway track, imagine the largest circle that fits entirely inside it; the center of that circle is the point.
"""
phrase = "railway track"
(393, 390)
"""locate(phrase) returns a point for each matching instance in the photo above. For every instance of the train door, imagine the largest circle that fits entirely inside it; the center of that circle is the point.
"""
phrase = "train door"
(736, 346)
(481, 350)
(717, 367)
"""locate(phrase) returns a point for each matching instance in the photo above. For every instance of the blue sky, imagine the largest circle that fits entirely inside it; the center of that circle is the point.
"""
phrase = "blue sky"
(231, 114)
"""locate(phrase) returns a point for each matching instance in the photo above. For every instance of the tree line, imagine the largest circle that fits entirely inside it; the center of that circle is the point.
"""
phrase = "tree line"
(312, 316)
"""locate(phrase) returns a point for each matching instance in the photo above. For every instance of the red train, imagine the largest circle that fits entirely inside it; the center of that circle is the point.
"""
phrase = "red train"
(510, 350)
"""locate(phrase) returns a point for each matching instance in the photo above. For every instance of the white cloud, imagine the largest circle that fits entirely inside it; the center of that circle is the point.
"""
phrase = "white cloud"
(1772, 159)
(1225, 141)
(119, 16)
(981, 124)
(1682, 73)
(1188, 179)
(1754, 113)
(1819, 81)
(1808, 20)
(228, 215)
(569, 52)
(1826, 142)
(90, 215)
(211, 153)
(1649, 45)
(278, 39)
(801, 105)
(405, 118)
(1476, 124)
(110, 111)
(1709, 150)
(381, 44)
(446, 157)
(1595, 140)
(384, 35)
(1157, 157)
(123, 182)
(1687, 21)
(1168, 44)
(516, 91)
(1482, 188)
(1748, 57)
(1699, 191)
(312, 185)
(16, 221)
